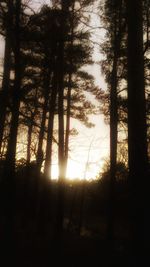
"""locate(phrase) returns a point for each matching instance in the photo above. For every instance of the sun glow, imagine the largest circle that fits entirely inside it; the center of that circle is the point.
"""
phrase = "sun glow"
(73, 171)
(79, 170)
(87, 154)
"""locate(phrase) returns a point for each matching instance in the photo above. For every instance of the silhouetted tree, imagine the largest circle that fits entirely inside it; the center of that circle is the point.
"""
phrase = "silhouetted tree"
(137, 140)
(7, 13)
(113, 19)
(9, 169)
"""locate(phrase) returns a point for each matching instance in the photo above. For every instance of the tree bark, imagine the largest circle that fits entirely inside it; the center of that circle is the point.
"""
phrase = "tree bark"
(52, 106)
(11, 150)
(41, 134)
(39, 156)
(114, 120)
(9, 170)
(6, 73)
(61, 148)
(66, 148)
(137, 137)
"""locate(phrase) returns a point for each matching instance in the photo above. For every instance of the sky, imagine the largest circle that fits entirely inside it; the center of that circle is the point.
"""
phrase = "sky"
(89, 149)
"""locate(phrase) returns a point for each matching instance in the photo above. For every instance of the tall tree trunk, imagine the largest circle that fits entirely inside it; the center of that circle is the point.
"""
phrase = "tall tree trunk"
(11, 150)
(46, 84)
(66, 148)
(9, 170)
(30, 128)
(114, 120)
(29, 137)
(41, 133)
(48, 157)
(61, 148)
(61, 154)
(137, 143)
(113, 147)
(52, 106)
(42, 188)
(6, 73)
(29, 140)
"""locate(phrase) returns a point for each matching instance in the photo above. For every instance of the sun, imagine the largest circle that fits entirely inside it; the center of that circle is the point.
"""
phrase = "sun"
(77, 170)
(74, 171)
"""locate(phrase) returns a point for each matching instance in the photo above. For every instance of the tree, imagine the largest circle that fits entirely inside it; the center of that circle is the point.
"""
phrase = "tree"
(113, 20)
(8, 15)
(9, 169)
(137, 140)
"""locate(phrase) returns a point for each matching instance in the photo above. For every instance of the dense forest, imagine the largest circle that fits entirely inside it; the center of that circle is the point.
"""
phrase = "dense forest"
(43, 87)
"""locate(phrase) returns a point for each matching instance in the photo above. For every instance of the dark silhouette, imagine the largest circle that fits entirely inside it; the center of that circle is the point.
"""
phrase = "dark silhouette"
(44, 87)
(137, 136)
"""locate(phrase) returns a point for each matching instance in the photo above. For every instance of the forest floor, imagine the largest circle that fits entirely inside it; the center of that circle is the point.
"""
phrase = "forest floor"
(75, 251)
(36, 245)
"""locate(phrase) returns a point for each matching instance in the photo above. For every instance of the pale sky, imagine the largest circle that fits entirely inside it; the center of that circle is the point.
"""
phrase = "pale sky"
(91, 146)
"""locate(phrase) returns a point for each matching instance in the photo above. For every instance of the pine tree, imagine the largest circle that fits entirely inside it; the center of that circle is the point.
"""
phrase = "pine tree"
(137, 140)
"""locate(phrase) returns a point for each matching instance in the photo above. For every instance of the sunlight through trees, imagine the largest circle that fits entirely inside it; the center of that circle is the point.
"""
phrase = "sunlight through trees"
(74, 132)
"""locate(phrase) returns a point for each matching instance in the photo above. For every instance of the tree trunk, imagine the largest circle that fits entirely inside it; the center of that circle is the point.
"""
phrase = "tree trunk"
(42, 188)
(9, 170)
(113, 147)
(30, 127)
(66, 148)
(11, 150)
(48, 158)
(6, 74)
(114, 121)
(46, 84)
(61, 154)
(61, 148)
(52, 106)
(41, 133)
(137, 143)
